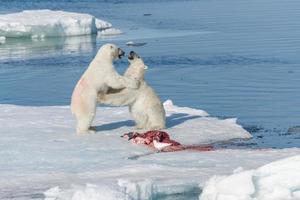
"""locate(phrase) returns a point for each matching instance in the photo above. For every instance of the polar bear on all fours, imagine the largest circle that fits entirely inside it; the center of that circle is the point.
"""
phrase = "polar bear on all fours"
(98, 77)
(144, 105)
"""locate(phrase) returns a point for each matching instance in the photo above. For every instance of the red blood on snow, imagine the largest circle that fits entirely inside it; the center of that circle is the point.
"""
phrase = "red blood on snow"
(148, 137)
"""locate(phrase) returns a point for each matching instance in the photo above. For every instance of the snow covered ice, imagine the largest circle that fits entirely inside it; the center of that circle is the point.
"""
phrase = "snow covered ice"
(47, 23)
(274, 181)
(41, 156)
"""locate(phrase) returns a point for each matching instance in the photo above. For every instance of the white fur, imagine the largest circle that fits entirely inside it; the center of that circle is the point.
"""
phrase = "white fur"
(98, 77)
(144, 105)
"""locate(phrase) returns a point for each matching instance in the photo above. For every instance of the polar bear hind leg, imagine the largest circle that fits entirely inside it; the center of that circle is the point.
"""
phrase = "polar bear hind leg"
(140, 120)
(85, 116)
(156, 119)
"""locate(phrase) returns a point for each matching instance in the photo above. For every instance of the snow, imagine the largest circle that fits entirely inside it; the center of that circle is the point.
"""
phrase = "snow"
(201, 130)
(42, 157)
(276, 180)
(47, 23)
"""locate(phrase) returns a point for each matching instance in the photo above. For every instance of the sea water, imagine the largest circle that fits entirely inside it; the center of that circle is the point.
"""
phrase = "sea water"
(231, 58)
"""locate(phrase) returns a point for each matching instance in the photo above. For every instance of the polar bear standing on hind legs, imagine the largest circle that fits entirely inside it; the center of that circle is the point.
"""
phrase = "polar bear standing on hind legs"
(98, 77)
(144, 104)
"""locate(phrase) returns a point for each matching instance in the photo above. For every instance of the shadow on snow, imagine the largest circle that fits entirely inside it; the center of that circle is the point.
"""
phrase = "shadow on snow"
(171, 121)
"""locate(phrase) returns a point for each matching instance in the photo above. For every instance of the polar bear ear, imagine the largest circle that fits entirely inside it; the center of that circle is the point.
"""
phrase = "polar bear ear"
(145, 67)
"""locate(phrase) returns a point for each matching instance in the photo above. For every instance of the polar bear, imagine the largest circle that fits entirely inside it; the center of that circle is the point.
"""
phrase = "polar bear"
(144, 105)
(98, 77)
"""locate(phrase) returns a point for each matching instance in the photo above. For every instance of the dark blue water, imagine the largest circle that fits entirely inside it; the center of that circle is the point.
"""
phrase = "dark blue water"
(231, 58)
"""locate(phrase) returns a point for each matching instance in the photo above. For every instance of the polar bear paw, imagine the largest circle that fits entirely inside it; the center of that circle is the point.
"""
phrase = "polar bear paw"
(134, 83)
(139, 127)
(91, 130)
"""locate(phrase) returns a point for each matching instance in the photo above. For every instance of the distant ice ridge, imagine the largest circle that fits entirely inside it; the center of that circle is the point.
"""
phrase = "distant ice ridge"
(47, 23)
(274, 181)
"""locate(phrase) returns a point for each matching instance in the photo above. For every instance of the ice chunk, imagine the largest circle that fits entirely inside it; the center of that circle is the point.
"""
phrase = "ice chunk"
(136, 190)
(221, 188)
(52, 193)
(135, 44)
(294, 130)
(101, 24)
(276, 180)
(111, 31)
(47, 152)
(45, 23)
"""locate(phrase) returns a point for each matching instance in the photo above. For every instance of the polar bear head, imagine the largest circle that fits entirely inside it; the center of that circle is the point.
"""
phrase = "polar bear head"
(136, 67)
(110, 52)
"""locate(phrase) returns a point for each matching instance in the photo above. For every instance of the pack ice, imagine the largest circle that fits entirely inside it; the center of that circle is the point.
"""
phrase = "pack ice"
(41, 157)
(47, 23)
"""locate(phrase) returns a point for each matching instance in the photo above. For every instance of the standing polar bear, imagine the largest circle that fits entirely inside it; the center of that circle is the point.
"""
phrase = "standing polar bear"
(98, 77)
(144, 105)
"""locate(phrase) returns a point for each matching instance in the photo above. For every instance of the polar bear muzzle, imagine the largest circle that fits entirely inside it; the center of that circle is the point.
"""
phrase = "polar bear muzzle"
(120, 53)
(132, 55)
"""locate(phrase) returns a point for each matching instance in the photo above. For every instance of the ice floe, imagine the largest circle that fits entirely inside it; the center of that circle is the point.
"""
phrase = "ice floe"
(47, 23)
(274, 181)
(41, 156)
(135, 44)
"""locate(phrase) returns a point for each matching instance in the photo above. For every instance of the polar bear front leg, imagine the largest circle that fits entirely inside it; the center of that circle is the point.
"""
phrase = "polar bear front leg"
(156, 118)
(116, 81)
